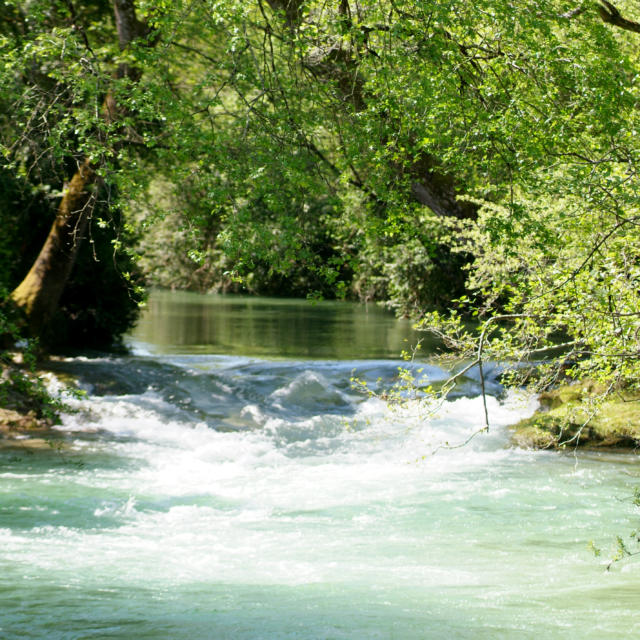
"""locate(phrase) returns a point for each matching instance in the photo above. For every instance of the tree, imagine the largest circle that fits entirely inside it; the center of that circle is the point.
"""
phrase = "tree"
(554, 281)
(302, 80)
(523, 112)
(51, 79)
(379, 146)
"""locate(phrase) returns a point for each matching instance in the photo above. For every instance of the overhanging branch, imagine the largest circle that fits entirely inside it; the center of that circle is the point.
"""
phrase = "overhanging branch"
(608, 13)
(611, 15)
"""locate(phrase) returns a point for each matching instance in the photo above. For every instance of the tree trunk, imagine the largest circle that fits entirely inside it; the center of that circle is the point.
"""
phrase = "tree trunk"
(39, 293)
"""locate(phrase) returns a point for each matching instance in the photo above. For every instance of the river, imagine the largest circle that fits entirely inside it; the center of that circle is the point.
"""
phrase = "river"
(225, 481)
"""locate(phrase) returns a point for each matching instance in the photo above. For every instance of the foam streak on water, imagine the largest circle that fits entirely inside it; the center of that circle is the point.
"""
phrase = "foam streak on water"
(222, 497)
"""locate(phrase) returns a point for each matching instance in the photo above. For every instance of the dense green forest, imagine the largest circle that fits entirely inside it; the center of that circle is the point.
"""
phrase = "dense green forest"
(454, 160)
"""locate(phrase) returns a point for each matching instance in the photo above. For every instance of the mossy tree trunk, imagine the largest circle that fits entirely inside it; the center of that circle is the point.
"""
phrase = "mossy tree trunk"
(39, 293)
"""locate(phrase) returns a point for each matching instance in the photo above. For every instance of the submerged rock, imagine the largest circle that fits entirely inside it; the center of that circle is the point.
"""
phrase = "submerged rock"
(579, 415)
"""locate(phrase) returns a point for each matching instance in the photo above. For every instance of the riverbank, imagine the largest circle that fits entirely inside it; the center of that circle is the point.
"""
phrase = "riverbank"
(577, 416)
(27, 412)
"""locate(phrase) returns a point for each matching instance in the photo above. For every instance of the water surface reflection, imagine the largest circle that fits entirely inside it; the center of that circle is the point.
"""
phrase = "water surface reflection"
(184, 322)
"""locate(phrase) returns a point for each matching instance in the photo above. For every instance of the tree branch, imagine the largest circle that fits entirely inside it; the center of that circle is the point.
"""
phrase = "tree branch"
(608, 13)
(611, 15)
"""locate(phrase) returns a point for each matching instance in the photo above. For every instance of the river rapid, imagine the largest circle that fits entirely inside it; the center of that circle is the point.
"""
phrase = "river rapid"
(225, 480)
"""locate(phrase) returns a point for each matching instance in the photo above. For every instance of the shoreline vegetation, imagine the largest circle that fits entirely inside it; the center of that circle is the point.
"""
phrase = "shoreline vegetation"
(28, 412)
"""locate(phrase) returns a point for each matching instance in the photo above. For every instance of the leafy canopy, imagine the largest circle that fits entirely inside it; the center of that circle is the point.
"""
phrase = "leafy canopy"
(338, 138)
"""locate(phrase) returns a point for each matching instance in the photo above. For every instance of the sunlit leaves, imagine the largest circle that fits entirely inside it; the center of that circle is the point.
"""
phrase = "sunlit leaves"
(296, 144)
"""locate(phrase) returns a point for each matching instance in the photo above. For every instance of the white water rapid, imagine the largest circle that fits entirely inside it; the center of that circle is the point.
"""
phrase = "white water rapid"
(220, 496)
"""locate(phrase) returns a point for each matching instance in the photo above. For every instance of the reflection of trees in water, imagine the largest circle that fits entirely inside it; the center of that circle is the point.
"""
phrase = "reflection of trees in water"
(273, 327)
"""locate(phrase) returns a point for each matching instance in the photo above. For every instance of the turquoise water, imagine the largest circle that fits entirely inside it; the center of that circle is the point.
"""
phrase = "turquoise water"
(212, 491)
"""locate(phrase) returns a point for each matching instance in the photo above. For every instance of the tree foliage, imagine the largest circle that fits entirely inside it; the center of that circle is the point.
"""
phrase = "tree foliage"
(416, 152)
(55, 86)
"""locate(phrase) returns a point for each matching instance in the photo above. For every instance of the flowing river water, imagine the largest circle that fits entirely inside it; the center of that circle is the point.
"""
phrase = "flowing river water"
(225, 481)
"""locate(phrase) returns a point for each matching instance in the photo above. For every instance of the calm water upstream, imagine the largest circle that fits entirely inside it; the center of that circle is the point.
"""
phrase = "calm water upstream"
(225, 481)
